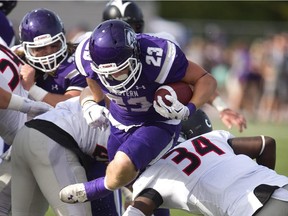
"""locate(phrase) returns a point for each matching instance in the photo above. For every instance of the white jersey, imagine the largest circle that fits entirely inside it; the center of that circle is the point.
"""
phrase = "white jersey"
(68, 116)
(10, 121)
(203, 175)
(41, 162)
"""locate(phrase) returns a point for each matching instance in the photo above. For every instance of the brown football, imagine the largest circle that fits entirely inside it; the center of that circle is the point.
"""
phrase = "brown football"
(180, 90)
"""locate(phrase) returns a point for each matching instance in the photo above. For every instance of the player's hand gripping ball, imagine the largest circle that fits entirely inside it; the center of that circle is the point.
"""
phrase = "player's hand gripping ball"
(179, 90)
(172, 101)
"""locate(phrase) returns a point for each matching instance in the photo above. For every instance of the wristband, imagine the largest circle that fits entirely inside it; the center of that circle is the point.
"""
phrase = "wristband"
(91, 98)
(37, 93)
(87, 99)
(101, 103)
(192, 108)
(219, 104)
(15, 102)
(263, 145)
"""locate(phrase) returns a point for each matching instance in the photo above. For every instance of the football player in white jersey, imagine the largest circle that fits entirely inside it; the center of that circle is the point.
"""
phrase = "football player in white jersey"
(14, 103)
(205, 176)
(45, 158)
(14, 107)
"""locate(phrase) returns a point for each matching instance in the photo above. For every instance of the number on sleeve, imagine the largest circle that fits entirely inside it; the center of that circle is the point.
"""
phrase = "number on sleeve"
(156, 58)
(7, 62)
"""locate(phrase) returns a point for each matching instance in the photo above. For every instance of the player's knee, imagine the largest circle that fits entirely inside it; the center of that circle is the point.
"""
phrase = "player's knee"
(120, 171)
(124, 163)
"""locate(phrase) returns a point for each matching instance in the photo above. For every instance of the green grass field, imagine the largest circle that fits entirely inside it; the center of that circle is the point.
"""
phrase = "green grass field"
(278, 132)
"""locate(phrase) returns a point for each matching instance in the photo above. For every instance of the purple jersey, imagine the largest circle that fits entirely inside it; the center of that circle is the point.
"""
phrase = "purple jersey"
(162, 62)
(65, 78)
(7, 33)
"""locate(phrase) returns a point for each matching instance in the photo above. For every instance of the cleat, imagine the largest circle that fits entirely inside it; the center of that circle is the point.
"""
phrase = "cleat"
(73, 193)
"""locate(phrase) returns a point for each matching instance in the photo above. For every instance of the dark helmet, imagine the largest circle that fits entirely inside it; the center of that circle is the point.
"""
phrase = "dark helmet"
(38, 28)
(113, 47)
(199, 123)
(127, 11)
(7, 34)
(6, 6)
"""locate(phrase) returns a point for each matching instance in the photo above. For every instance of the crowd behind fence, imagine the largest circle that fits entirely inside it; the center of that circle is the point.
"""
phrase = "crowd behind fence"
(251, 74)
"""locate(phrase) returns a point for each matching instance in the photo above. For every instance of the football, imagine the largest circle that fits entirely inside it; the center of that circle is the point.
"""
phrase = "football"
(180, 90)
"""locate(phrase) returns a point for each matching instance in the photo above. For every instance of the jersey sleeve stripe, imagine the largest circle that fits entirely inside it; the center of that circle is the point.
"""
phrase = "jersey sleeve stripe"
(169, 59)
(78, 56)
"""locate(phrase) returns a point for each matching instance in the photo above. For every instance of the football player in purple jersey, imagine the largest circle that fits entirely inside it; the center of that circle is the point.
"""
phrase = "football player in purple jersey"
(131, 13)
(7, 34)
(128, 69)
(50, 74)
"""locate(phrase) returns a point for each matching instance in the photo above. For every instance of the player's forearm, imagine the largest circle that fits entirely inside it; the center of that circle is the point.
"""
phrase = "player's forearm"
(39, 94)
(94, 89)
(267, 155)
(261, 148)
(203, 90)
(53, 99)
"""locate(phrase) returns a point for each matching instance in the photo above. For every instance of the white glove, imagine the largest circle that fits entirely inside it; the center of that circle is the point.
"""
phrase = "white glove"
(177, 110)
(95, 114)
(25, 105)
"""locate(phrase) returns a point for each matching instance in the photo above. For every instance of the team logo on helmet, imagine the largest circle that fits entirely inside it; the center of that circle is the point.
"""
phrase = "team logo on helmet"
(130, 38)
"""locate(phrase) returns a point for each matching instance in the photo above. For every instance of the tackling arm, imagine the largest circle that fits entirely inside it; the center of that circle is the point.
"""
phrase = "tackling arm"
(229, 117)
(15, 102)
(261, 148)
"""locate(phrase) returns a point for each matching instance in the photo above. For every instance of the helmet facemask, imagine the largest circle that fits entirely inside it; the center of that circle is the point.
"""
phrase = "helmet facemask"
(48, 63)
(106, 74)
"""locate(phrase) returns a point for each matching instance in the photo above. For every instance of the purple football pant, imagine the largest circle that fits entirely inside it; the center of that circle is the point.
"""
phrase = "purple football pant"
(143, 144)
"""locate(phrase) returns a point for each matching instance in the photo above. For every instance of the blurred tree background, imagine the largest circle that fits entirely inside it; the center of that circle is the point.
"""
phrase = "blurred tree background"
(225, 10)
(245, 19)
